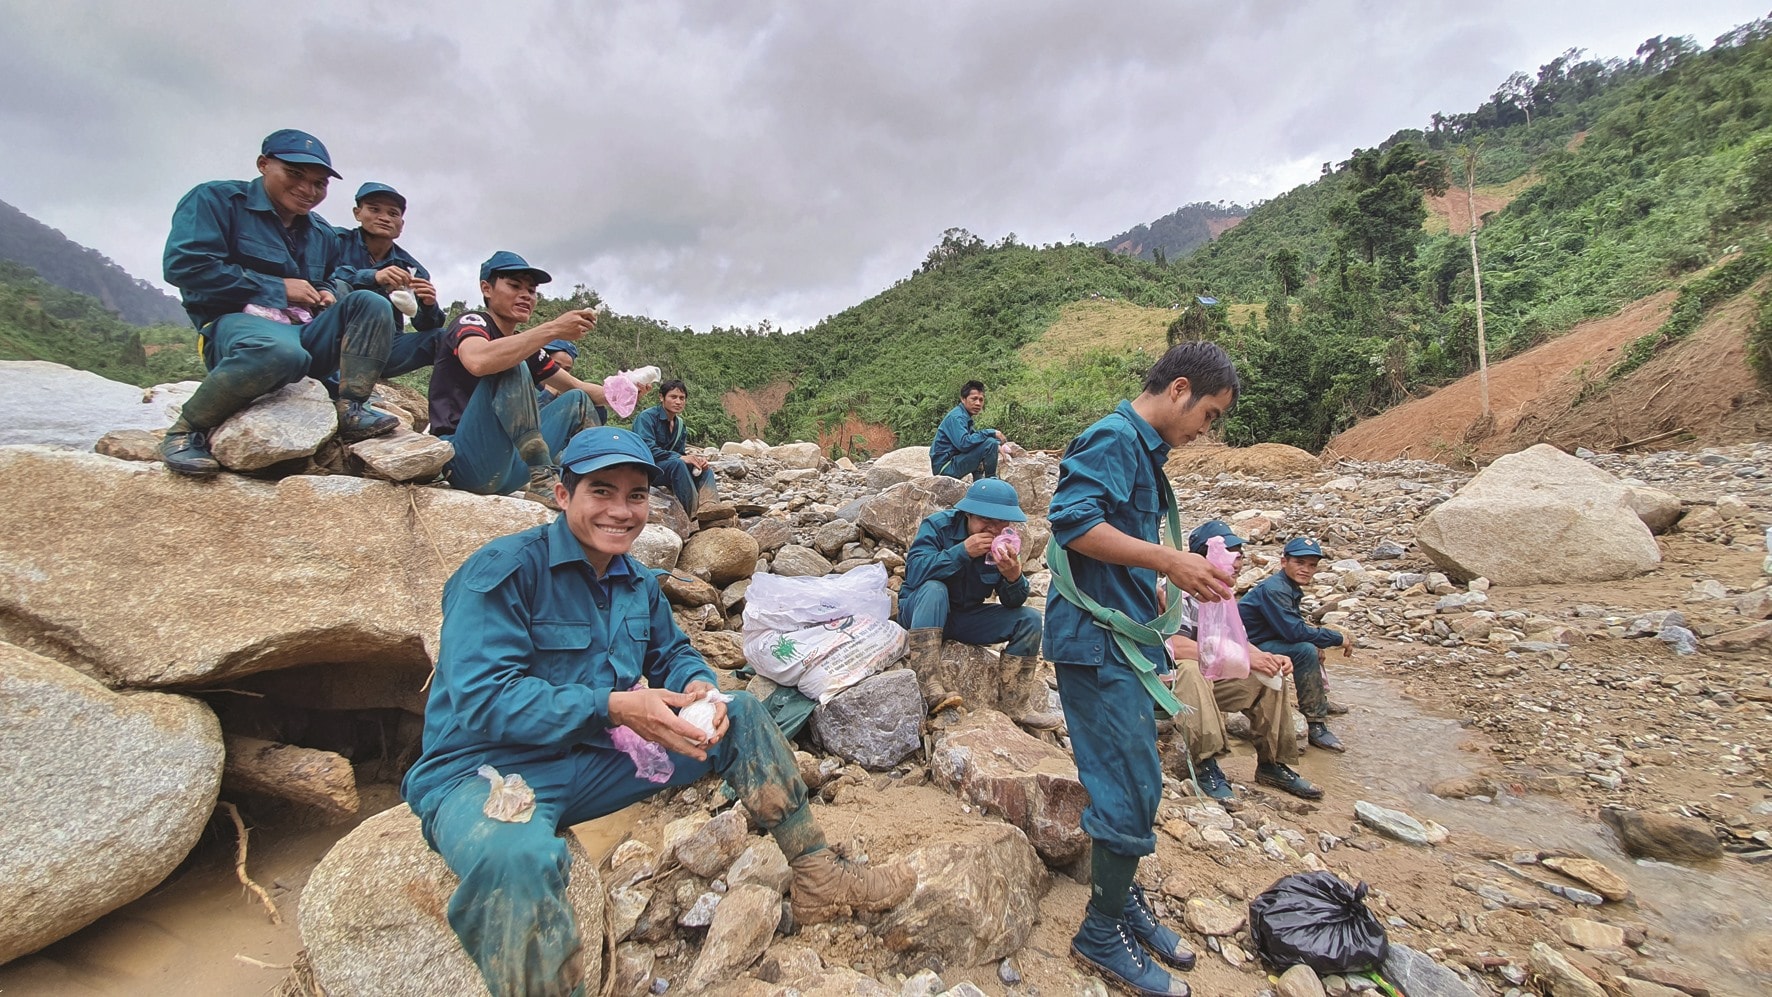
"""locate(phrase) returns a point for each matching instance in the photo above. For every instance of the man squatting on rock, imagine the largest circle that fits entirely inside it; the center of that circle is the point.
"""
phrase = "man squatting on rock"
(1106, 514)
(1273, 622)
(948, 575)
(236, 244)
(546, 635)
(483, 391)
(1201, 733)
(663, 429)
(959, 449)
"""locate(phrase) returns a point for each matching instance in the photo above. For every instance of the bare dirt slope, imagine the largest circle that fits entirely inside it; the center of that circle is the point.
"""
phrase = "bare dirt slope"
(1701, 384)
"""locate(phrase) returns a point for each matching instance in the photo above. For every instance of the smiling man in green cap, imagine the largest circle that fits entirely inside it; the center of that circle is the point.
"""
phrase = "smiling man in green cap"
(253, 263)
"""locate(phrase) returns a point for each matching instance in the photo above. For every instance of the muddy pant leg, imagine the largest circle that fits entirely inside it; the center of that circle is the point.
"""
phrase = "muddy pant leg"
(1202, 731)
(980, 461)
(1270, 716)
(1114, 736)
(676, 474)
(707, 489)
(570, 414)
(757, 763)
(510, 910)
(994, 624)
(247, 356)
(1307, 677)
(411, 351)
(499, 436)
(352, 339)
(924, 607)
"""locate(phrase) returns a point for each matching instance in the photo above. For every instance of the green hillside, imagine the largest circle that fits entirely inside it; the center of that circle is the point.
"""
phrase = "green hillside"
(40, 321)
(65, 263)
(1177, 233)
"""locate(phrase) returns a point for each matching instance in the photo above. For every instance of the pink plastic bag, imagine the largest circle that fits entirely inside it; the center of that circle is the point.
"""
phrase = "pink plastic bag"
(1224, 644)
(1007, 547)
(651, 762)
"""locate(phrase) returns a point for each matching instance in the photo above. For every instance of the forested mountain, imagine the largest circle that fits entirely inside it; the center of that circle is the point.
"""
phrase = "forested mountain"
(40, 321)
(67, 264)
(1178, 233)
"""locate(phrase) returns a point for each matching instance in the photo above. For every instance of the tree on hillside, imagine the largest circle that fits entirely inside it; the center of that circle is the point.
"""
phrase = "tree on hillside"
(1288, 270)
(1380, 217)
(955, 244)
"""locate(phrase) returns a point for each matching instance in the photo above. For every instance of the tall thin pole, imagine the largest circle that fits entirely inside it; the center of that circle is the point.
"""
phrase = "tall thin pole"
(1470, 202)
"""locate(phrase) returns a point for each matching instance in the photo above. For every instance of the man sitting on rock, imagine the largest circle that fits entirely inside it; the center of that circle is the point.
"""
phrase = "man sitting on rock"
(1273, 622)
(959, 449)
(552, 639)
(949, 572)
(482, 392)
(663, 429)
(253, 264)
(1202, 733)
(372, 260)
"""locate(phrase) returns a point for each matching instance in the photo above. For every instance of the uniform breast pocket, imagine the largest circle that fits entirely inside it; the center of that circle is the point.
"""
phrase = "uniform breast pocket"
(628, 654)
(562, 650)
(263, 256)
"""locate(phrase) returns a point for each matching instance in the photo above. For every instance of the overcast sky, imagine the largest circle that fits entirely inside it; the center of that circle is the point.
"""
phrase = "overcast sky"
(726, 162)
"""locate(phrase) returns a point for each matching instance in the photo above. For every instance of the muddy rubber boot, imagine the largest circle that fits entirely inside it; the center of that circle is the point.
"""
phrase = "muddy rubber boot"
(1108, 948)
(1024, 696)
(542, 479)
(186, 451)
(925, 661)
(826, 888)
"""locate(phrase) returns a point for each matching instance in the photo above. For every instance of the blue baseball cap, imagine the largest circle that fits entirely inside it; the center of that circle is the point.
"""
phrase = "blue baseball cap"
(562, 346)
(606, 446)
(1302, 547)
(993, 498)
(1196, 541)
(294, 146)
(373, 187)
(505, 261)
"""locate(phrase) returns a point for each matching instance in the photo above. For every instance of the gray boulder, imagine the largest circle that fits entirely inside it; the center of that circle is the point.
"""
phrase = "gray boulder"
(52, 405)
(877, 722)
(404, 455)
(796, 561)
(291, 422)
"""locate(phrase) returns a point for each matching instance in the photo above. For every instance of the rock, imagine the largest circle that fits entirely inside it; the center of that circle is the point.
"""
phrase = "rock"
(48, 404)
(403, 455)
(712, 846)
(106, 794)
(1749, 638)
(1388, 550)
(633, 970)
(761, 863)
(723, 649)
(1300, 981)
(687, 590)
(307, 570)
(1662, 836)
(372, 914)
(876, 722)
(657, 547)
(664, 510)
(700, 913)
(790, 965)
(794, 560)
(909, 462)
(1594, 874)
(1033, 487)
(1658, 510)
(714, 511)
(1668, 976)
(1212, 918)
(726, 555)
(894, 514)
(1731, 507)
(288, 423)
(978, 893)
(1574, 519)
(924, 984)
(1399, 825)
(1585, 934)
(320, 780)
(797, 456)
(1418, 975)
(830, 538)
(1755, 605)
(748, 448)
(742, 927)
(990, 762)
(1560, 978)
(770, 534)
(130, 444)
(626, 904)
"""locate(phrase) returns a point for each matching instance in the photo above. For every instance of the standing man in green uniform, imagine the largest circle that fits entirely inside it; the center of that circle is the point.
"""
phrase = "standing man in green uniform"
(371, 259)
(241, 252)
(547, 635)
(1107, 558)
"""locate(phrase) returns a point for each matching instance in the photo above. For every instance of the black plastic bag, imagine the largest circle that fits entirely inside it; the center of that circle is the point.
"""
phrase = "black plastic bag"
(1314, 919)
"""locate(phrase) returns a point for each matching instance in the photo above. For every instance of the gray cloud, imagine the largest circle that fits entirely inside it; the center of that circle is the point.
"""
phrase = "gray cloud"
(712, 163)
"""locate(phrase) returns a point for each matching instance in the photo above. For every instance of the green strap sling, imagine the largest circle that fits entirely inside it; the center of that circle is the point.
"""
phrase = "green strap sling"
(1129, 635)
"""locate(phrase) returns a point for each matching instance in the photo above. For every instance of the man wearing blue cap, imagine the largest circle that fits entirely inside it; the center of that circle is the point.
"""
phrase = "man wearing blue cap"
(1272, 619)
(960, 449)
(552, 638)
(949, 572)
(253, 264)
(1107, 556)
(372, 260)
(1202, 732)
(483, 390)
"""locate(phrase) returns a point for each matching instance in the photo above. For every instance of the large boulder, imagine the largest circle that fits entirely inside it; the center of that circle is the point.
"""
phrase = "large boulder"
(894, 514)
(908, 462)
(795, 561)
(657, 547)
(372, 915)
(291, 422)
(106, 793)
(771, 534)
(1539, 517)
(798, 456)
(724, 554)
(143, 578)
(877, 722)
(52, 405)
(992, 763)
(1032, 481)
